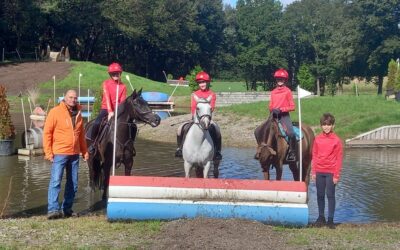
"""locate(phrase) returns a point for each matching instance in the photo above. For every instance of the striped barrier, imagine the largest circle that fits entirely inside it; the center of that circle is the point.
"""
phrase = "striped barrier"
(168, 198)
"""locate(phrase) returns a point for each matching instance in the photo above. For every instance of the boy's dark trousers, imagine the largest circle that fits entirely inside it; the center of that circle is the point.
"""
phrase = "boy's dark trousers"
(325, 185)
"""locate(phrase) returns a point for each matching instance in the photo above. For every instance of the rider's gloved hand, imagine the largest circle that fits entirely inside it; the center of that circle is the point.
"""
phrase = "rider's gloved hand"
(276, 111)
(110, 114)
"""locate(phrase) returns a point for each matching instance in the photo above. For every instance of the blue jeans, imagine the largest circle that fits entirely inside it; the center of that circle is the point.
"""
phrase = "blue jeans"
(71, 165)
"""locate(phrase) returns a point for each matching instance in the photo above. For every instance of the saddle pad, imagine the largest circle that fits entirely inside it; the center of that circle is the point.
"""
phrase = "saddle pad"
(295, 129)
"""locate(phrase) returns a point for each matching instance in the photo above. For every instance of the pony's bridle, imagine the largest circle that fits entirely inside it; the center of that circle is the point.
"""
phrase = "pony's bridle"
(200, 118)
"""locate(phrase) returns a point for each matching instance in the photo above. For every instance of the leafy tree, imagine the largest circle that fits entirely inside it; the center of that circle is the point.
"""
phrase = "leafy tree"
(378, 21)
(192, 77)
(305, 77)
(259, 50)
(392, 75)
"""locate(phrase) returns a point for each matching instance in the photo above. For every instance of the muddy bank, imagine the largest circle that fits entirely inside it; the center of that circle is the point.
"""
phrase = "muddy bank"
(236, 131)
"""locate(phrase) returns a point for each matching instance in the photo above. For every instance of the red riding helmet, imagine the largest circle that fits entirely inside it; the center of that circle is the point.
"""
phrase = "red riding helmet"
(281, 73)
(114, 67)
(202, 76)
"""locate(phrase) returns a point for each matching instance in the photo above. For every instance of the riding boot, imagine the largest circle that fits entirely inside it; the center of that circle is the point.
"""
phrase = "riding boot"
(217, 143)
(180, 139)
(178, 152)
(292, 149)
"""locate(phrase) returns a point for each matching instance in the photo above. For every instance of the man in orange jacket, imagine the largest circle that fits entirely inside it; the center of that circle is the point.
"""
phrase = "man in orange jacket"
(63, 140)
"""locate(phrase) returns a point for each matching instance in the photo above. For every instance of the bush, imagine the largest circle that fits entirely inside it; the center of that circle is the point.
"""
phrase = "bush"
(306, 79)
(192, 78)
(392, 73)
(7, 129)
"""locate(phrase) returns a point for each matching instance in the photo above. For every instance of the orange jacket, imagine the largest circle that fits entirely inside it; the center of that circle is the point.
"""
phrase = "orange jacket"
(59, 136)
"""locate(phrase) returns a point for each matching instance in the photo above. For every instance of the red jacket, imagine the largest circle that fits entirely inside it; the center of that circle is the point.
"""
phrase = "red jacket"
(110, 94)
(327, 155)
(281, 98)
(203, 94)
(60, 136)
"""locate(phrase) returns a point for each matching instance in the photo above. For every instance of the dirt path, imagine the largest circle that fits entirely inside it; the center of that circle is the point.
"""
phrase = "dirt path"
(17, 77)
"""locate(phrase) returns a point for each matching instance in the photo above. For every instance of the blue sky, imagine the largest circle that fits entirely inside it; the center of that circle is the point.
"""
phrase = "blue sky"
(284, 2)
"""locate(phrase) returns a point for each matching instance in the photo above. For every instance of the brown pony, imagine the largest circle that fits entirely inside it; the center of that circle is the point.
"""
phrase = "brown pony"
(272, 149)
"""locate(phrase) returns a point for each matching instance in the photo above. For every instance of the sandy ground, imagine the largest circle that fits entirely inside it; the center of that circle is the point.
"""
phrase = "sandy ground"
(236, 131)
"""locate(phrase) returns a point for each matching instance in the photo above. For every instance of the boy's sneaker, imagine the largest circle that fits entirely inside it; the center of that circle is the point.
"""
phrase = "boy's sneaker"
(330, 224)
(320, 222)
(54, 215)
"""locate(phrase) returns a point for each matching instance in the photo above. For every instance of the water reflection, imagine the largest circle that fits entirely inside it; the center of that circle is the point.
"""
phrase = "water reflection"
(368, 190)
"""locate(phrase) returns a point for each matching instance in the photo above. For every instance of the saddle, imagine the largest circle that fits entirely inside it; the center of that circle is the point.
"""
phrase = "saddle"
(296, 130)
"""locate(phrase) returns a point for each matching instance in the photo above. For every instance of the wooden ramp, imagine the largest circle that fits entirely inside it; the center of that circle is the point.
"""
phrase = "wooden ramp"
(386, 136)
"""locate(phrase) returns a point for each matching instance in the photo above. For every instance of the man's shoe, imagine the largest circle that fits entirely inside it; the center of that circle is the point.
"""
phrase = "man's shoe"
(70, 213)
(291, 156)
(54, 215)
(178, 152)
(320, 222)
(218, 156)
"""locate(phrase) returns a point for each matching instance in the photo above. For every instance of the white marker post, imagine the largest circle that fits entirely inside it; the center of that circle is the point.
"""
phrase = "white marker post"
(300, 94)
(115, 129)
(79, 88)
(23, 114)
(54, 91)
(88, 104)
(129, 80)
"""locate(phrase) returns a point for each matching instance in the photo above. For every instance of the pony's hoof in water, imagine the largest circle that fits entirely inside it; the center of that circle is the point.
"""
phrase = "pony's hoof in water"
(218, 156)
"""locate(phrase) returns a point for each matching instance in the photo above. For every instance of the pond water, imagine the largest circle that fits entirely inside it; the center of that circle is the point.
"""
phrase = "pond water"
(368, 191)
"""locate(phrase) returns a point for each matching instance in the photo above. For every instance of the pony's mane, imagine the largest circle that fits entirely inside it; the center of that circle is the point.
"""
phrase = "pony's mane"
(202, 100)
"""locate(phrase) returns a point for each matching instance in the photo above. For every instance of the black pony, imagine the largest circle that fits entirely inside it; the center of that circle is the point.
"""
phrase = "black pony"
(130, 112)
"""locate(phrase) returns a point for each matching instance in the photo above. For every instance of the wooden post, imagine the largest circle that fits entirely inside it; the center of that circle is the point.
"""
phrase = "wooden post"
(3, 56)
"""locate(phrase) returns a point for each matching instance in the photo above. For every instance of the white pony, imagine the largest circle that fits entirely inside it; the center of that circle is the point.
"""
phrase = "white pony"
(198, 148)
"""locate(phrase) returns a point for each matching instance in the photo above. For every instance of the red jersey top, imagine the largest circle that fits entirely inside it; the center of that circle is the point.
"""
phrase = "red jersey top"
(281, 98)
(327, 154)
(203, 94)
(110, 94)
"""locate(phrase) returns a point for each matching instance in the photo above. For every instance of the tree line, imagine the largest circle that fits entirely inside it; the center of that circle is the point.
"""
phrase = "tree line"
(323, 43)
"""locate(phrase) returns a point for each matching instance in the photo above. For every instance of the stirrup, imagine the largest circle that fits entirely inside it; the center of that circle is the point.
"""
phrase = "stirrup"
(178, 152)
(291, 156)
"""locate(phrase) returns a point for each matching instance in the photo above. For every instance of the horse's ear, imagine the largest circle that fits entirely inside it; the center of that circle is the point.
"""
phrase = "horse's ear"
(209, 98)
(133, 93)
(140, 92)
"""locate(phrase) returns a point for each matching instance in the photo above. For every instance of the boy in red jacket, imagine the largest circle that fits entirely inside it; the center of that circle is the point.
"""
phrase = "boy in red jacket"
(327, 156)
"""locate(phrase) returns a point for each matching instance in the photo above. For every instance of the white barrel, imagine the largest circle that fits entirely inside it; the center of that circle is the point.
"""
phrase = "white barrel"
(34, 137)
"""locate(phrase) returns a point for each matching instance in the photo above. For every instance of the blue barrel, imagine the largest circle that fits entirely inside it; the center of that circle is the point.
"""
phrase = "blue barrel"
(155, 96)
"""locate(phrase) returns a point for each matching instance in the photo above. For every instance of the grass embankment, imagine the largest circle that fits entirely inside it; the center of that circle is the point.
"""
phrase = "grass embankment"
(354, 114)
(83, 232)
(94, 232)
